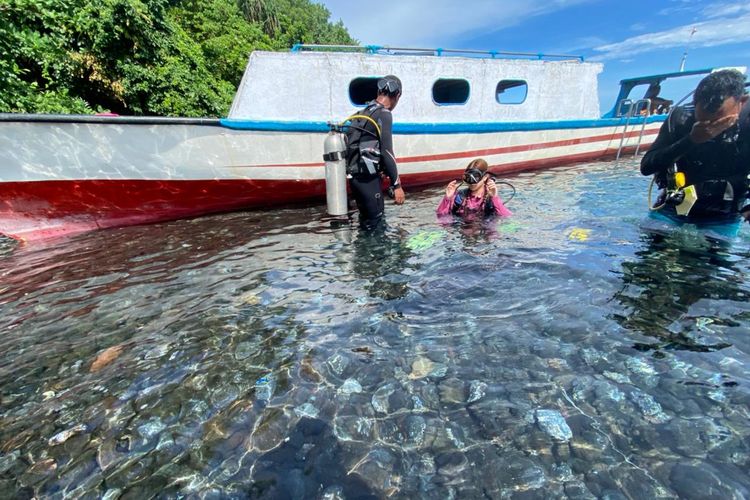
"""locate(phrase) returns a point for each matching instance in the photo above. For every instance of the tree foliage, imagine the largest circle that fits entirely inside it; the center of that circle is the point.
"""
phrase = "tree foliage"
(144, 57)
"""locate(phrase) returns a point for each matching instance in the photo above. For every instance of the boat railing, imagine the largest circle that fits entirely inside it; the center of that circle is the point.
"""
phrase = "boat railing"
(633, 108)
(647, 107)
(620, 105)
(386, 50)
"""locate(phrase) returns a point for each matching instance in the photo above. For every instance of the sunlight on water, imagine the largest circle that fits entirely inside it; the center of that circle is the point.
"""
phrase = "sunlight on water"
(574, 349)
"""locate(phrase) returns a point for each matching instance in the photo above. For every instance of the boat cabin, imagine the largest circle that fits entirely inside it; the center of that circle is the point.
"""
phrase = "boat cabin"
(440, 86)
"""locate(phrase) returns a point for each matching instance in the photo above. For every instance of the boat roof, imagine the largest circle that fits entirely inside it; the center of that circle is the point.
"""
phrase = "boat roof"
(407, 51)
(677, 74)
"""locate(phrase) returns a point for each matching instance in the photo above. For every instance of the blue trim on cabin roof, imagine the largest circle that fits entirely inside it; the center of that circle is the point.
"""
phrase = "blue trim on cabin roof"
(663, 76)
(440, 128)
(395, 51)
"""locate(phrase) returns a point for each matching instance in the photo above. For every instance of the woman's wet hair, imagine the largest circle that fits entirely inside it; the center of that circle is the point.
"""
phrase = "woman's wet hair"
(717, 87)
(479, 164)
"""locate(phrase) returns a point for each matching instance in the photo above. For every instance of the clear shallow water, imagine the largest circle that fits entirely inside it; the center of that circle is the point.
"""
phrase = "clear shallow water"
(567, 351)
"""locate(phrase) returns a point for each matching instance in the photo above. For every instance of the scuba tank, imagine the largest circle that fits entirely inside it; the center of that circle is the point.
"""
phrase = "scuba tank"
(334, 155)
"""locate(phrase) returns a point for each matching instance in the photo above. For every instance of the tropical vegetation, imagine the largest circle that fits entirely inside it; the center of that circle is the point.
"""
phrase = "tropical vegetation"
(144, 57)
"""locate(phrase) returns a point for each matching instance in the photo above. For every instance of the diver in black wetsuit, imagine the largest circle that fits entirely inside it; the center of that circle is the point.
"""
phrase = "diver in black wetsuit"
(370, 152)
(710, 145)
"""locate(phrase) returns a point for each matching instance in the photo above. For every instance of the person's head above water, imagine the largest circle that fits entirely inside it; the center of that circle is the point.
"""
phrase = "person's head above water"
(475, 171)
(720, 94)
(389, 91)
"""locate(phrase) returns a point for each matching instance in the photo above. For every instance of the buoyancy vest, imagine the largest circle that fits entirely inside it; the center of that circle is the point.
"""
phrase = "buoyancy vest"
(363, 143)
(459, 200)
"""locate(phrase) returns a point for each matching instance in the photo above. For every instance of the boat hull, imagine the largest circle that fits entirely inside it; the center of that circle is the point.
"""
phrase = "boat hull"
(63, 176)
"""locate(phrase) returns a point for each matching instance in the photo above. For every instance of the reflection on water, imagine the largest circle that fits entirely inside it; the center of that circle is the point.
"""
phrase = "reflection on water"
(675, 292)
(567, 351)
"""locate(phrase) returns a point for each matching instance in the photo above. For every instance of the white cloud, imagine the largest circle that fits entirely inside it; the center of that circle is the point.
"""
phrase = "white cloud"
(715, 10)
(710, 33)
(671, 11)
(710, 11)
(432, 23)
(578, 45)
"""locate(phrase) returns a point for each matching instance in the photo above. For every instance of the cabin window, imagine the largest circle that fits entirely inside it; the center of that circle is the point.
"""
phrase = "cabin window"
(363, 90)
(447, 91)
(511, 91)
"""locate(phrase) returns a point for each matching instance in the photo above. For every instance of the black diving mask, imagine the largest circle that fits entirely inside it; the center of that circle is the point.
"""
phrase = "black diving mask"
(473, 176)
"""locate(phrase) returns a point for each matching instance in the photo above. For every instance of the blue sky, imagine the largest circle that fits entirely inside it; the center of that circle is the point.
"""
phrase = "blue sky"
(632, 38)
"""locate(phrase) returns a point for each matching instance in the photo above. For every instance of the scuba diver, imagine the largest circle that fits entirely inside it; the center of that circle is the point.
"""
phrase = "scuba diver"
(701, 157)
(479, 197)
(369, 153)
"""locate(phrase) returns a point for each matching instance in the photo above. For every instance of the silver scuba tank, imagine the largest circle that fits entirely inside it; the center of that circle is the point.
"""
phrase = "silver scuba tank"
(334, 155)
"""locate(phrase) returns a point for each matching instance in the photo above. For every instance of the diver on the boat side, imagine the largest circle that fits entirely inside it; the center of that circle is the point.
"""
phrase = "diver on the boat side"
(369, 153)
(478, 197)
(701, 157)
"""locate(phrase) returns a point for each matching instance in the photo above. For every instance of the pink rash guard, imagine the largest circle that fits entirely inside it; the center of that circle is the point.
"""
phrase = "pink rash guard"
(472, 204)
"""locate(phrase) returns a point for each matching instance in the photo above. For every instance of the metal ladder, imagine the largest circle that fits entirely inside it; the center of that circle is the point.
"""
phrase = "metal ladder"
(633, 107)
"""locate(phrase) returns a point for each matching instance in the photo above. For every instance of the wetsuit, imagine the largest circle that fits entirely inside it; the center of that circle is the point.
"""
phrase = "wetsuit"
(718, 168)
(365, 181)
(464, 203)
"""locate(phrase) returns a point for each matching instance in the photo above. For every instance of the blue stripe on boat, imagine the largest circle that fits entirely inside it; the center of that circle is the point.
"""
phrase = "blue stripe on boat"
(442, 128)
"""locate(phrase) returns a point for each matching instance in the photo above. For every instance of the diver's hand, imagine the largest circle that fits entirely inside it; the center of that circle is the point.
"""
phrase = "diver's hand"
(450, 190)
(705, 131)
(398, 196)
(745, 211)
(491, 188)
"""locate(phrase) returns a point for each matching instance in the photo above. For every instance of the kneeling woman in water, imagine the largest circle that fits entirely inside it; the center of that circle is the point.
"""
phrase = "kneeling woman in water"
(479, 198)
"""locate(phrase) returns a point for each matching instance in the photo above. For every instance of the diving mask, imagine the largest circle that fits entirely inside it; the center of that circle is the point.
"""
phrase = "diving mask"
(473, 176)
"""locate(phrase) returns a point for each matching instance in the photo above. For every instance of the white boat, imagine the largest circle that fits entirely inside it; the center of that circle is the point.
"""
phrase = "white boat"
(67, 174)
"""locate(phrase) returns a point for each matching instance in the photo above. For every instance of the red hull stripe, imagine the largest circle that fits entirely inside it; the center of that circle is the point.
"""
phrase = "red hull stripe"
(482, 152)
(523, 147)
(43, 209)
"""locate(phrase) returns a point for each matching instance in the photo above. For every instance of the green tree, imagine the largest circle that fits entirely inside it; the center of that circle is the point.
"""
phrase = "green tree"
(305, 22)
(263, 12)
(224, 35)
(36, 73)
(144, 57)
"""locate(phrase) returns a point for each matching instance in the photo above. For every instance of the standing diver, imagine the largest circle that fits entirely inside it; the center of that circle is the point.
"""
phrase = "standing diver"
(701, 157)
(369, 153)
